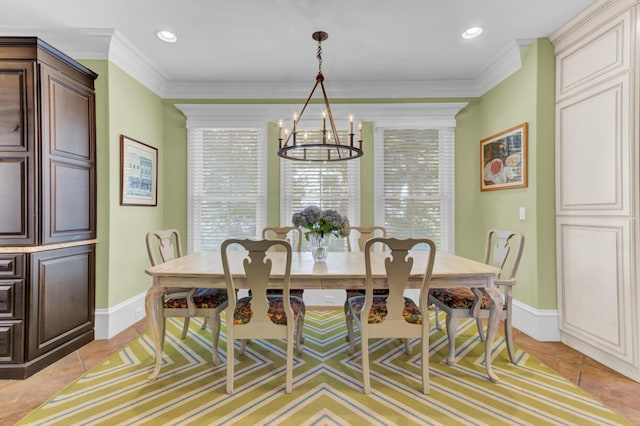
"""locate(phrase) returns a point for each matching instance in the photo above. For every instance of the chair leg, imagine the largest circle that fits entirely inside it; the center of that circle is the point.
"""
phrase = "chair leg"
(204, 323)
(215, 335)
(230, 356)
(424, 364)
(289, 372)
(452, 327)
(366, 378)
(508, 333)
(436, 311)
(346, 318)
(407, 345)
(480, 326)
(243, 345)
(350, 336)
(300, 329)
(185, 328)
(299, 336)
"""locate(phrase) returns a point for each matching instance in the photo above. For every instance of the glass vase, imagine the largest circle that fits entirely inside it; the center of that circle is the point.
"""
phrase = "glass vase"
(319, 247)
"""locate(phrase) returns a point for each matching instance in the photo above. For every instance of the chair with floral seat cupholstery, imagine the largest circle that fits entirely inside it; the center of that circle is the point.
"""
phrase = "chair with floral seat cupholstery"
(503, 249)
(163, 246)
(393, 315)
(261, 316)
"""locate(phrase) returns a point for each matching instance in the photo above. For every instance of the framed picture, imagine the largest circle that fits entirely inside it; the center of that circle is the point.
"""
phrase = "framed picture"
(503, 159)
(138, 173)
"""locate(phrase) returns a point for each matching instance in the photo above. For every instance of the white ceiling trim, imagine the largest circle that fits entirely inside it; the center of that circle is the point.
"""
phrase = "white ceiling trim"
(83, 43)
(384, 115)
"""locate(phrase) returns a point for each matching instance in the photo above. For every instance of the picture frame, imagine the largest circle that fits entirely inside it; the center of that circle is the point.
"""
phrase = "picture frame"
(503, 159)
(138, 173)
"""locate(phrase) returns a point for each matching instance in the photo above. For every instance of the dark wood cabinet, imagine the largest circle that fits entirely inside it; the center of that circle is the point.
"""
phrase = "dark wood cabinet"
(47, 205)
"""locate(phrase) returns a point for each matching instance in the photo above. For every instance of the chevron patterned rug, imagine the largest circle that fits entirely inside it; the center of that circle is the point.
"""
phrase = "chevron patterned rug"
(327, 385)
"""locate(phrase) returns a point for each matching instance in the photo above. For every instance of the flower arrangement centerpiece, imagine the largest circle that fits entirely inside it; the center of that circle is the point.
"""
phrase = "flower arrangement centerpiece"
(320, 225)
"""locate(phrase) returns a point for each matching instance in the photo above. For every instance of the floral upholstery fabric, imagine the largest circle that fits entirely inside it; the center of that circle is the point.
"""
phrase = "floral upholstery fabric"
(204, 298)
(457, 298)
(276, 313)
(411, 311)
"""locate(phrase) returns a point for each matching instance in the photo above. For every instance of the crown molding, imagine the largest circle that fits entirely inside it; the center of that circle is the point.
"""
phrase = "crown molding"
(502, 66)
(596, 14)
(383, 114)
(109, 44)
(101, 44)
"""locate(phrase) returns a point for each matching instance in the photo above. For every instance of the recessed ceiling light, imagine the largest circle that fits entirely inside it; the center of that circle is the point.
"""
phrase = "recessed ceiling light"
(166, 36)
(472, 32)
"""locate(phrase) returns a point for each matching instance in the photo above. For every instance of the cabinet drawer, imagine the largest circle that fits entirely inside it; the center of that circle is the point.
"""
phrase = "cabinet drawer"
(11, 299)
(11, 341)
(11, 266)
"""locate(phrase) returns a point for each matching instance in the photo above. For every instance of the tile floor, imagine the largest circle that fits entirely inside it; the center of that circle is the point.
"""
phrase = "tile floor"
(19, 397)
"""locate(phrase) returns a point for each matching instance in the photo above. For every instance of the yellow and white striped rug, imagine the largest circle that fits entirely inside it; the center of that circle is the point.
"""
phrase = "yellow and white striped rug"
(327, 386)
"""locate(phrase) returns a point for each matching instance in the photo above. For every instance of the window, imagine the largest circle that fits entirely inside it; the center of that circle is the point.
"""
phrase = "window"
(226, 186)
(414, 183)
(331, 185)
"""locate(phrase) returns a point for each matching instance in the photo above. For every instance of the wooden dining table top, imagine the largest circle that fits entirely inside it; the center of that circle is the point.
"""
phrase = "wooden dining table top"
(340, 270)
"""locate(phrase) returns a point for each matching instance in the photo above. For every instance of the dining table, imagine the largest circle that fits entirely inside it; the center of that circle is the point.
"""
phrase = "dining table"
(341, 270)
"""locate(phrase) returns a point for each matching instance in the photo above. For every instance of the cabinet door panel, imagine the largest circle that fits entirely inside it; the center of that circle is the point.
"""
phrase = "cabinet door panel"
(61, 305)
(69, 186)
(17, 154)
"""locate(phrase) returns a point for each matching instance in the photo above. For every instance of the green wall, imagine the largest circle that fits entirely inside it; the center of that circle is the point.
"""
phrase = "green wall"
(123, 107)
(526, 96)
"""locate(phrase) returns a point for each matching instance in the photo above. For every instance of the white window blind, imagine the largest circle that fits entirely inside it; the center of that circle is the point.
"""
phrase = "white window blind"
(329, 185)
(226, 178)
(414, 183)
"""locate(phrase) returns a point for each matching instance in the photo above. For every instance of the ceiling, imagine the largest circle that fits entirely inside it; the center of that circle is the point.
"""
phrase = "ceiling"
(245, 42)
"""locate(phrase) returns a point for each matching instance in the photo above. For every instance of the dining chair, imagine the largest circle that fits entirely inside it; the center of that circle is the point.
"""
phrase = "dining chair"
(288, 233)
(261, 316)
(503, 250)
(393, 316)
(163, 246)
(358, 236)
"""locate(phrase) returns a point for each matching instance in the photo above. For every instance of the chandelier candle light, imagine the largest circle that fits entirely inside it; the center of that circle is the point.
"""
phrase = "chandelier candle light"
(329, 148)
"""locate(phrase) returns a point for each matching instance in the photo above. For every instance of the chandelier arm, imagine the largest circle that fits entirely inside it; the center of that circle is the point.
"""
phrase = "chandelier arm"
(295, 122)
(336, 139)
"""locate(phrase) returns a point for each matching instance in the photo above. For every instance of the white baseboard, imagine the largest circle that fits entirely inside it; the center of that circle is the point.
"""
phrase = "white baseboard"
(113, 320)
(541, 324)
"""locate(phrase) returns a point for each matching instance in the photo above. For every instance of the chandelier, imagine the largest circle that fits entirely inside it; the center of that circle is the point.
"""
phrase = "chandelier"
(329, 147)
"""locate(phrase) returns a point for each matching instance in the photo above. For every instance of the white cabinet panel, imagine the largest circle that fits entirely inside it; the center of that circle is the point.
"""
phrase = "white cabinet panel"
(594, 284)
(600, 54)
(593, 158)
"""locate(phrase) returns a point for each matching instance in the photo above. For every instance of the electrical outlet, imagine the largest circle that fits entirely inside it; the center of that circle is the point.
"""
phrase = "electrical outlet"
(330, 299)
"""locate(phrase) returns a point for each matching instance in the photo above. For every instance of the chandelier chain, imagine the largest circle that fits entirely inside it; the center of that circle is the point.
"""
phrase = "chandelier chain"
(319, 56)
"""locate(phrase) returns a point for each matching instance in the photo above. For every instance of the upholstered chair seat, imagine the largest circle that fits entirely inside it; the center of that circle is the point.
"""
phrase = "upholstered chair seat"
(203, 298)
(378, 312)
(276, 313)
(458, 298)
